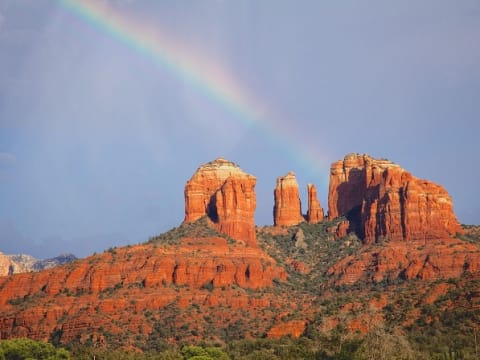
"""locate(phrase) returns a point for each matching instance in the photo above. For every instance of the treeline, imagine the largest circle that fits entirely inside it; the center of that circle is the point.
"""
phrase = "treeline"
(378, 344)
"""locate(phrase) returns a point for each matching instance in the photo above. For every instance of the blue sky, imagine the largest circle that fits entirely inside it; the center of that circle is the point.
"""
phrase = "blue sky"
(97, 140)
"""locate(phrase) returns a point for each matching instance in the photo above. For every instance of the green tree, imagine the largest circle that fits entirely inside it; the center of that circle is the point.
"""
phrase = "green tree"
(23, 349)
(193, 352)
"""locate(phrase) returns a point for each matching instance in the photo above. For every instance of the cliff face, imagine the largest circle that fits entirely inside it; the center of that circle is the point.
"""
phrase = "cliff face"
(225, 194)
(287, 210)
(385, 201)
(315, 211)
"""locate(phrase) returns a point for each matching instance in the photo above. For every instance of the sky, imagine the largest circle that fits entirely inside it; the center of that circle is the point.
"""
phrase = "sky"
(107, 107)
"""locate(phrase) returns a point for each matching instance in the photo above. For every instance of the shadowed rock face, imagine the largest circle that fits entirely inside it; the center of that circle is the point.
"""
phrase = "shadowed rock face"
(225, 194)
(382, 200)
(287, 210)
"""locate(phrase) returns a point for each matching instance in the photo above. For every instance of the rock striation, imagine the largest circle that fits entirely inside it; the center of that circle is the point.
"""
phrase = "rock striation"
(287, 210)
(225, 194)
(384, 201)
(315, 211)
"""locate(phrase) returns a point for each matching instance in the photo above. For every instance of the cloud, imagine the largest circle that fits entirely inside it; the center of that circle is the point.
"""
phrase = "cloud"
(7, 158)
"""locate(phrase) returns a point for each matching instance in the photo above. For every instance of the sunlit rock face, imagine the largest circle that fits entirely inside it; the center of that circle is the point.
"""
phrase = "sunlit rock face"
(288, 209)
(315, 211)
(225, 194)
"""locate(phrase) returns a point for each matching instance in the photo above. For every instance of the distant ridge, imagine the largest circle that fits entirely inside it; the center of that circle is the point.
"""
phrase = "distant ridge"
(21, 263)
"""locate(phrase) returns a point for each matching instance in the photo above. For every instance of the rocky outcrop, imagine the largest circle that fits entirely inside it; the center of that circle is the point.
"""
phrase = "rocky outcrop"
(6, 267)
(225, 194)
(293, 328)
(449, 258)
(288, 209)
(339, 230)
(315, 211)
(384, 201)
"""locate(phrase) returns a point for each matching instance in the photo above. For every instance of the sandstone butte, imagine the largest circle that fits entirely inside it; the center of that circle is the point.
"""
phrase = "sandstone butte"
(287, 210)
(384, 201)
(225, 194)
(411, 219)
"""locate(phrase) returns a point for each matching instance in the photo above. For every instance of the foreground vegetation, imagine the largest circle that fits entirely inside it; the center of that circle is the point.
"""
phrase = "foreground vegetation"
(378, 344)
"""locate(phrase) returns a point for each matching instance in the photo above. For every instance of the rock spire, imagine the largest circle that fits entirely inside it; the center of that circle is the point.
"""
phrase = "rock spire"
(287, 210)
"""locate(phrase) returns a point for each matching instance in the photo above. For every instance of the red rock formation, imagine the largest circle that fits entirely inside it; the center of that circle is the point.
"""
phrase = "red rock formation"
(288, 209)
(448, 258)
(340, 230)
(315, 211)
(224, 193)
(82, 296)
(388, 202)
(293, 328)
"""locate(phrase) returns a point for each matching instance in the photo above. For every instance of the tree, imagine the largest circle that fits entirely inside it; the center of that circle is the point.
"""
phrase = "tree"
(22, 349)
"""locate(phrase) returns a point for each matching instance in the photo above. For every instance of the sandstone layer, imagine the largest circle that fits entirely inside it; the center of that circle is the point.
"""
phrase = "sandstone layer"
(287, 210)
(225, 194)
(384, 201)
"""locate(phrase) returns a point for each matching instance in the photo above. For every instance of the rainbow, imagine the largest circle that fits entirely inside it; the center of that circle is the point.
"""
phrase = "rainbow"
(201, 73)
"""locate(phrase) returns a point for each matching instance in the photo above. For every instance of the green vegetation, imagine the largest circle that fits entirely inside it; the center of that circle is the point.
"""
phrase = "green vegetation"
(472, 234)
(313, 245)
(197, 229)
(20, 349)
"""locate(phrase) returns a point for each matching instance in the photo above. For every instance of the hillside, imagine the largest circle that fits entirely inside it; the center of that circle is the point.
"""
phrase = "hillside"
(394, 266)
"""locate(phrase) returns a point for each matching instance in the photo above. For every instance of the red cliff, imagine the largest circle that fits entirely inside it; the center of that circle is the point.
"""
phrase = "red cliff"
(225, 194)
(288, 209)
(387, 202)
(315, 211)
